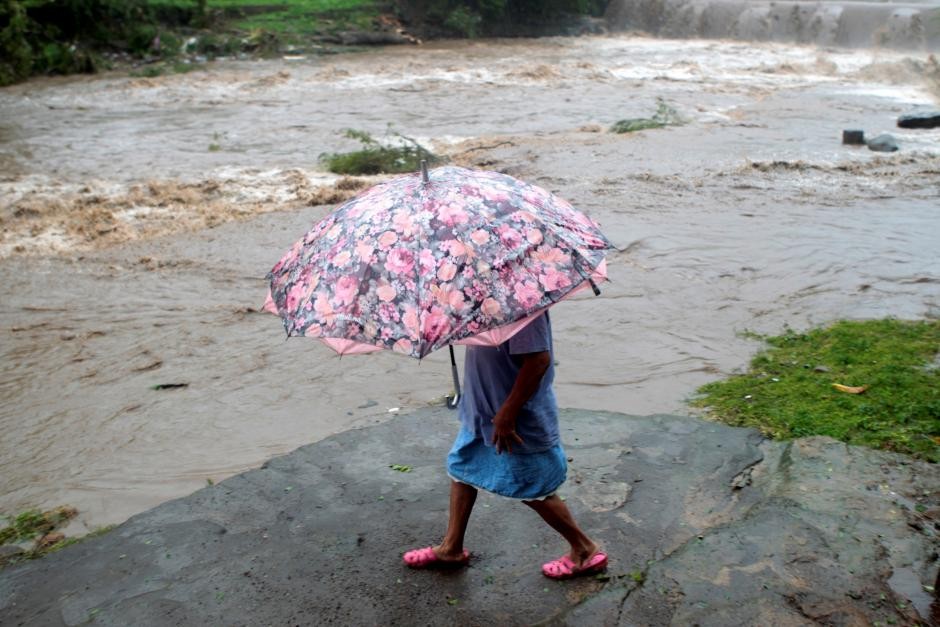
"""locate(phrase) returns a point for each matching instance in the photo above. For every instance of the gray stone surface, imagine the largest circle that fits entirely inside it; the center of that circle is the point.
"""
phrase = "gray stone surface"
(920, 119)
(883, 143)
(704, 524)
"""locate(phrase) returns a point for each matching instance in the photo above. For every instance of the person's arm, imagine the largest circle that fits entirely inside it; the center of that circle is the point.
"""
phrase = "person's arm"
(534, 366)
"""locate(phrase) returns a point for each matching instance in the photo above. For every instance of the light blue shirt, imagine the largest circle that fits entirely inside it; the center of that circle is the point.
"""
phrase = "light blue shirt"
(489, 374)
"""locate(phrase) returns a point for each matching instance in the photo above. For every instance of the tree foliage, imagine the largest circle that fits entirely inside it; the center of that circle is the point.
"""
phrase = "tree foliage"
(65, 36)
(16, 54)
(470, 18)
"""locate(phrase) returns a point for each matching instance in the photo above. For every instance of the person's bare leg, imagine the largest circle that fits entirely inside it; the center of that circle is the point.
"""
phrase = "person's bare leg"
(462, 498)
(555, 512)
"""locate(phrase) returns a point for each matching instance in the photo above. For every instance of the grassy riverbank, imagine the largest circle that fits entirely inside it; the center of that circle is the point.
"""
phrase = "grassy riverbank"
(875, 383)
(287, 18)
(33, 533)
(42, 37)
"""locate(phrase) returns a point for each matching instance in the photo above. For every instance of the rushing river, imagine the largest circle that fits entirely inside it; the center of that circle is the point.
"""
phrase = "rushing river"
(141, 215)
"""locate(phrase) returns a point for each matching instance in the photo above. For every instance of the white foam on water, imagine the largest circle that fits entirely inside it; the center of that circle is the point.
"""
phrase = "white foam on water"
(751, 64)
(925, 141)
(848, 62)
(905, 94)
(143, 212)
(52, 239)
(442, 140)
(373, 81)
(254, 176)
(16, 189)
(640, 72)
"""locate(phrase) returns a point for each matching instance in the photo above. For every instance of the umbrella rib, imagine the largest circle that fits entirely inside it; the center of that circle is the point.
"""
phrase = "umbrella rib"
(419, 278)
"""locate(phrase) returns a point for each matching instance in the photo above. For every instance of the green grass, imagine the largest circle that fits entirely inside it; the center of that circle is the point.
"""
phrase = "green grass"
(32, 524)
(377, 158)
(285, 6)
(635, 124)
(665, 116)
(305, 18)
(24, 526)
(289, 17)
(788, 390)
(94, 533)
(309, 5)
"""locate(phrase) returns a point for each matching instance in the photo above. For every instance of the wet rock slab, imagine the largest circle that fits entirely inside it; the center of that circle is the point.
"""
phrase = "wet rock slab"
(883, 143)
(920, 119)
(704, 524)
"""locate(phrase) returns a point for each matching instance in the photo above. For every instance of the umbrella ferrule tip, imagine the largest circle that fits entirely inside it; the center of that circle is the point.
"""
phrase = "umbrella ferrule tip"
(424, 171)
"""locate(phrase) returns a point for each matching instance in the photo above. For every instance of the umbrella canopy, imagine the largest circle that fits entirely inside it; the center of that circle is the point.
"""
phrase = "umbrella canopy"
(417, 263)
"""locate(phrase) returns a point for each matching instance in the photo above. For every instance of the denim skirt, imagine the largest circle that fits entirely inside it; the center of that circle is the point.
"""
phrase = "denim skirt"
(528, 476)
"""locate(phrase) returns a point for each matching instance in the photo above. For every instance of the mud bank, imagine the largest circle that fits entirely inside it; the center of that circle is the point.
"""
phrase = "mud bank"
(45, 217)
(703, 523)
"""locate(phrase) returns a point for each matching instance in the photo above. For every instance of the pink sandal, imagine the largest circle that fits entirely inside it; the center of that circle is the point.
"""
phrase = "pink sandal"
(564, 568)
(427, 558)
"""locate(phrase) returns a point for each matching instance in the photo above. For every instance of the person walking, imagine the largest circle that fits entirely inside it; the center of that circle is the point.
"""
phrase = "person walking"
(509, 444)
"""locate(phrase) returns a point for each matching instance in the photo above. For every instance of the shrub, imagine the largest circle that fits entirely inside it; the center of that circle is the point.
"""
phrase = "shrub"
(464, 21)
(16, 54)
(376, 158)
(486, 17)
(65, 36)
(665, 116)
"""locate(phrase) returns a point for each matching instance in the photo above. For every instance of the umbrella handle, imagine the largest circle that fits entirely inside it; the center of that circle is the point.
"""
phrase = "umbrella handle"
(452, 401)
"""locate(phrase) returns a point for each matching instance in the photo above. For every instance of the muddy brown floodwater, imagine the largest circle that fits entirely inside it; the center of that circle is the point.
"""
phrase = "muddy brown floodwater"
(141, 215)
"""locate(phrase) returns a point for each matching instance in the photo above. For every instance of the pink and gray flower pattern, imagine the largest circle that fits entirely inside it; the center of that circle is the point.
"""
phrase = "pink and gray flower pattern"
(414, 266)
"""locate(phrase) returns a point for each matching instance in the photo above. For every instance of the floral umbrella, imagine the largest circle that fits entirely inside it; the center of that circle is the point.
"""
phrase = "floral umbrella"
(454, 256)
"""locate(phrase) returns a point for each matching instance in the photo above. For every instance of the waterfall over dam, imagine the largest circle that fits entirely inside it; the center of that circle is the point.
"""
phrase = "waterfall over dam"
(913, 25)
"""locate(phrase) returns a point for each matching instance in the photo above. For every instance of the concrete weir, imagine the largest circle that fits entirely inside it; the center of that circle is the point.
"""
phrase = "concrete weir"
(704, 524)
(900, 25)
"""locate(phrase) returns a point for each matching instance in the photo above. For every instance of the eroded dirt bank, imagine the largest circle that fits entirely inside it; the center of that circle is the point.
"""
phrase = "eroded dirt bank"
(140, 216)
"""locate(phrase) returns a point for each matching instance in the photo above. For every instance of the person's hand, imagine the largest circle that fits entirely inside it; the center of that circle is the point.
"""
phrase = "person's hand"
(504, 432)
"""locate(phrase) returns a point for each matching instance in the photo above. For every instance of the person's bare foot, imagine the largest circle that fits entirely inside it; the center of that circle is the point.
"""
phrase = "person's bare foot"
(449, 555)
(428, 557)
(589, 562)
(581, 554)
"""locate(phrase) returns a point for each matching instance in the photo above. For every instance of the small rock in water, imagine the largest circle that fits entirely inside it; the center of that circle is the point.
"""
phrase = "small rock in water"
(853, 137)
(169, 386)
(883, 143)
(920, 119)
